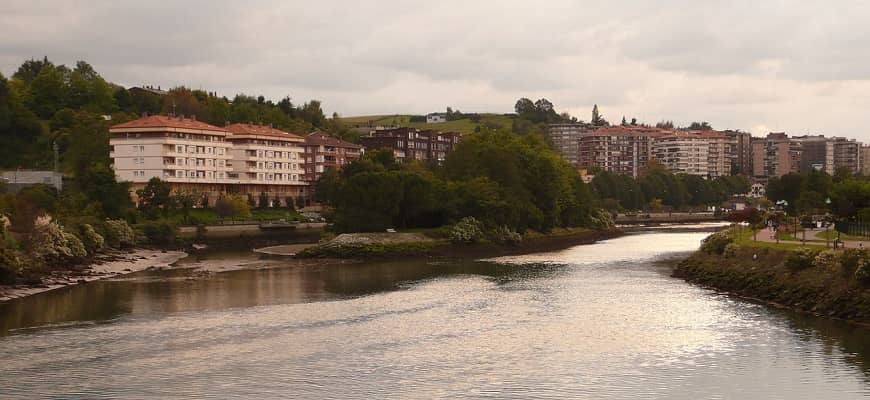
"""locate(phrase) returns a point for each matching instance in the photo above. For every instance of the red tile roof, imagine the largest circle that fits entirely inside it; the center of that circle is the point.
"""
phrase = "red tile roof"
(261, 130)
(165, 121)
(324, 139)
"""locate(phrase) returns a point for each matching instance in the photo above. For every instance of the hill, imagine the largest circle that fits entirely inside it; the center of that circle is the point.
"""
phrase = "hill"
(464, 125)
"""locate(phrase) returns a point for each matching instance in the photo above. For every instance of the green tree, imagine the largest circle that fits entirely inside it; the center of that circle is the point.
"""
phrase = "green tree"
(155, 198)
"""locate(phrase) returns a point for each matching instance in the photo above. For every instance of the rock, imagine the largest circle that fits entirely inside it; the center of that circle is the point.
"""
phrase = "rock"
(128, 270)
(81, 281)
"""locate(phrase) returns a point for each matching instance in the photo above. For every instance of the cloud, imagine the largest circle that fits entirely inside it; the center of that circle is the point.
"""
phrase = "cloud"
(788, 65)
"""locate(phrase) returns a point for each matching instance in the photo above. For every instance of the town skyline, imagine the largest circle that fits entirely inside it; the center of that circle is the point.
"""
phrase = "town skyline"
(748, 68)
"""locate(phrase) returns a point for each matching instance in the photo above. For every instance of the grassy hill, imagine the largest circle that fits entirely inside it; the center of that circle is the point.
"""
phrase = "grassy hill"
(463, 126)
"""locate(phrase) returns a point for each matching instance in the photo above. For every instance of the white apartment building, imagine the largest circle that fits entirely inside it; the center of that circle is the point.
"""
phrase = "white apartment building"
(267, 160)
(682, 153)
(208, 160)
(566, 140)
(189, 154)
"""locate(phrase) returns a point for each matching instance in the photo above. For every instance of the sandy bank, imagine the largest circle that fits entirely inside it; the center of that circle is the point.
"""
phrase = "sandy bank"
(103, 266)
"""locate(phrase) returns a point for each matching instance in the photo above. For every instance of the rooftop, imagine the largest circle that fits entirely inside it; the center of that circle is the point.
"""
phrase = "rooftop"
(320, 138)
(167, 121)
(261, 130)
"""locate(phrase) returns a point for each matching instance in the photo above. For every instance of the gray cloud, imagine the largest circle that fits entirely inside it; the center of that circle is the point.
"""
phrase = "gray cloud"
(785, 65)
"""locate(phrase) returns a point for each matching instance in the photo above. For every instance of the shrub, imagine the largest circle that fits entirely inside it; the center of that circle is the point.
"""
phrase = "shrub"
(828, 259)
(504, 235)
(862, 271)
(119, 234)
(850, 258)
(730, 250)
(800, 259)
(600, 219)
(467, 230)
(54, 246)
(158, 232)
(715, 243)
(10, 265)
(92, 240)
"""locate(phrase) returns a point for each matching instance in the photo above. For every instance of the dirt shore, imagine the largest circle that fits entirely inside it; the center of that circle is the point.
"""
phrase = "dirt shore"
(104, 266)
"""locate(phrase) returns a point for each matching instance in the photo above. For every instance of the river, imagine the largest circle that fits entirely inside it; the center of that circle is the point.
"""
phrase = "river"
(601, 321)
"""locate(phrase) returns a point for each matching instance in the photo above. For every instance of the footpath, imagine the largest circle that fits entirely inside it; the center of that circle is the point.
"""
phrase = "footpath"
(766, 235)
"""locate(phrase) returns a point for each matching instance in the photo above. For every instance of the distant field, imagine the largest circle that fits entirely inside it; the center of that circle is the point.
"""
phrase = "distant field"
(461, 125)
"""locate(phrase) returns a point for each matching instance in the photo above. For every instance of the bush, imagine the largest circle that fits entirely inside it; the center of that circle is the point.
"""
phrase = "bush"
(600, 219)
(10, 265)
(800, 259)
(119, 234)
(730, 250)
(862, 271)
(828, 259)
(505, 235)
(92, 240)
(467, 230)
(850, 258)
(715, 243)
(52, 245)
(158, 232)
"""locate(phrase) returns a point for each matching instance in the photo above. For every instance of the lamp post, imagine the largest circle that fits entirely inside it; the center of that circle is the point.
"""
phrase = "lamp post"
(827, 225)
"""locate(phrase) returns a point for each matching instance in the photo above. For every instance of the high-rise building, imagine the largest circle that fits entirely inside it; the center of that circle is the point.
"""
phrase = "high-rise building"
(702, 153)
(618, 149)
(565, 139)
(865, 160)
(775, 155)
(741, 151)
(267, 160)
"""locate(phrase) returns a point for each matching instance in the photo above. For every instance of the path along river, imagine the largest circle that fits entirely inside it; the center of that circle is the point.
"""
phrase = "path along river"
(597, 321)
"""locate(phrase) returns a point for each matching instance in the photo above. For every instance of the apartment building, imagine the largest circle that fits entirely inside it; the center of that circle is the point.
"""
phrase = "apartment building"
(865, 160)
(324, 151)
(617, 149)
(565, 139)
(426, 146)
(689, 153)
(267, 160)
(775, 155)
(741, 151)
(189, 154)
(847, 154)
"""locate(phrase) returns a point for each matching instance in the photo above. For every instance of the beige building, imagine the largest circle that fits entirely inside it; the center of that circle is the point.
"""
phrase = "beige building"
(267, 160)
(208, 160)
(865, 160)
(617, 149)
(775, 155)
(189, 154)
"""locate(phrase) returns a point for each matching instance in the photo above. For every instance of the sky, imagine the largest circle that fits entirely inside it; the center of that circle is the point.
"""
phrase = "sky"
(760, 66)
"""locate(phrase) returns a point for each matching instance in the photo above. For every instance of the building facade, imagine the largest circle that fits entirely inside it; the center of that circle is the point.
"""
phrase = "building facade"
(565, 139)
(775, 155)
(188, 154)
(323, 151)
(427, 146)
(267, 160)
(617, 149)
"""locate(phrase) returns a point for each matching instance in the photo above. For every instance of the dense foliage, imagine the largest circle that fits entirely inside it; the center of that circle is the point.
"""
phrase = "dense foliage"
(500, 179)
(816, 192)
(657, 188)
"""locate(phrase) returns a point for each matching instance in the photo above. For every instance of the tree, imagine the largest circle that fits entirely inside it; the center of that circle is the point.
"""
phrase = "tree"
(524, 106)
(597, 118)
(262, 200)
(185, 201)
(232, 206)
(155, 197)
(700, 126)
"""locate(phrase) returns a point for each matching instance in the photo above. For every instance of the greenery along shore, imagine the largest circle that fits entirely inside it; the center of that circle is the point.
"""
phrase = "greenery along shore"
(503, 174)
(813, 279)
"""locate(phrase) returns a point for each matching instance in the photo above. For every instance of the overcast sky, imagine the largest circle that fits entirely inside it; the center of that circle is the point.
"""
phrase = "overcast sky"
(798, 66)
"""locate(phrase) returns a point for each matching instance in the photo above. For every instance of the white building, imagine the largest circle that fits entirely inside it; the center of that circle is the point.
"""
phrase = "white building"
(189, 154)
(267, 160)
(701, 153)
(207, 160)
(435, 118)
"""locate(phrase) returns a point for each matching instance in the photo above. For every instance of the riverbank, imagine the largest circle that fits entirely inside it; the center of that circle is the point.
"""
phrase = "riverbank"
(399, 245)
(820, 283)
(103, 266)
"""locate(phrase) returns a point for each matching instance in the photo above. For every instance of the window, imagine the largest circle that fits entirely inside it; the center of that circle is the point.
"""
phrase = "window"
(179, 148)
(209, 150)
(179, 174)
(220, 151)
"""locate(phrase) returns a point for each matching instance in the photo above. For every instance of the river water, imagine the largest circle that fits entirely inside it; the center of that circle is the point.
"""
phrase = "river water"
(597, 321)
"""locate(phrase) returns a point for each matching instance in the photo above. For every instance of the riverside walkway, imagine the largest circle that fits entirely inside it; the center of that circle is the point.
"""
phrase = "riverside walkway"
(767, 235)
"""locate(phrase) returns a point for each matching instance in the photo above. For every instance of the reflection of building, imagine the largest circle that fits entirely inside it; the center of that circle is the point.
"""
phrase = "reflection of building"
(413, 144)
(324, 151)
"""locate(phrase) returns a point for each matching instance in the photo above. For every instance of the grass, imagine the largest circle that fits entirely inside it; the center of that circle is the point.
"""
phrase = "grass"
(743, 237)
(210, 217)
(464, 126)
(832, 234)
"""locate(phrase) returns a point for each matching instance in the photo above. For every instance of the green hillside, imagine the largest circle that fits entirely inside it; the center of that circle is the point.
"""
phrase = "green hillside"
(465, 125)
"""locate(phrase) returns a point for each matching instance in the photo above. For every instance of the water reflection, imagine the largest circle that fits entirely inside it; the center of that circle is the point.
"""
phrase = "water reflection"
(599, 321)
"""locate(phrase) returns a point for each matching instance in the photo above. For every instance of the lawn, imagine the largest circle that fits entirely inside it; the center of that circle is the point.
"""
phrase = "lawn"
(832, 234)
(743, 237)
(463, 126)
